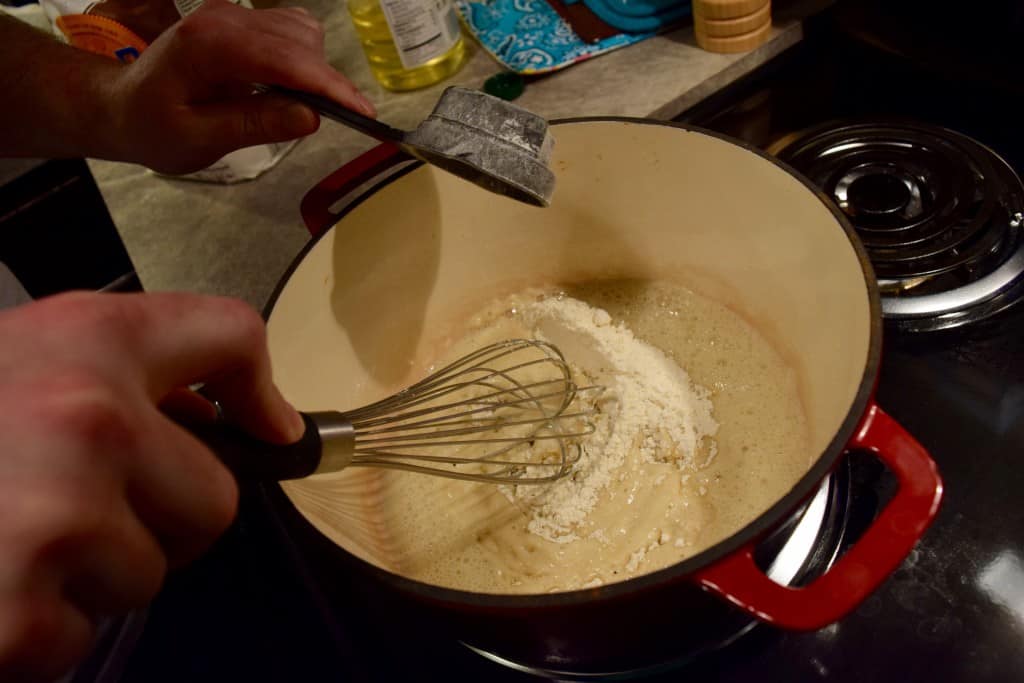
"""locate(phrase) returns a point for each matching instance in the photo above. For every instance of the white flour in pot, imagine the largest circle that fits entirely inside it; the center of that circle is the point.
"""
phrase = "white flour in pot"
(650, 407)
(679, 460)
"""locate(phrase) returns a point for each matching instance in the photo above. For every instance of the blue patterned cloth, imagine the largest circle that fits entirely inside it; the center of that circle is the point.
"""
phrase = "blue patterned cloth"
(529, 36)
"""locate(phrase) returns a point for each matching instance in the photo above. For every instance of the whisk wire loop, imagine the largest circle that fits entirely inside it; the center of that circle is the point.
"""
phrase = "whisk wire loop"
(496, 415)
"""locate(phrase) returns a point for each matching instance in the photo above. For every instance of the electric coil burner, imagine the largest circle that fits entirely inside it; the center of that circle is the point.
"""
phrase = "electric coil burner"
(940, 214)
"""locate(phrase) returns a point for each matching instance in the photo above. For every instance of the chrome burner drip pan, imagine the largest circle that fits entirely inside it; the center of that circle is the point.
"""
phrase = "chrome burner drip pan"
(939, 213)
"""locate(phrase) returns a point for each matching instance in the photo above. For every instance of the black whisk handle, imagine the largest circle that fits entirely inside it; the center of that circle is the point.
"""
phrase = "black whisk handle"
(252, 459)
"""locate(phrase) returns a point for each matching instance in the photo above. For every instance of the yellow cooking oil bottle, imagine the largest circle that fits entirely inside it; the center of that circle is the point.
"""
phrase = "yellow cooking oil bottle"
(409, 43)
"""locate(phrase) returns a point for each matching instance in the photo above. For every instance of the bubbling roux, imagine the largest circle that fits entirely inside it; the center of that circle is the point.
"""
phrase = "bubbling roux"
(700, 429)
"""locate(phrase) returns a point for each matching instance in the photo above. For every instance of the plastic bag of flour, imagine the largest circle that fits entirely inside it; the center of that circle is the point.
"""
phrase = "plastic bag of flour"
(122, 29)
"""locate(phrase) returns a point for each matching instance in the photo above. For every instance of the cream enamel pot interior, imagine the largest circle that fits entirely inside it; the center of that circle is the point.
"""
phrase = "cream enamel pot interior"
(637, 199)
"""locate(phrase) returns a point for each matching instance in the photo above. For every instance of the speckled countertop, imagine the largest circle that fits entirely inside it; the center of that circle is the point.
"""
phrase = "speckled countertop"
(239, 239)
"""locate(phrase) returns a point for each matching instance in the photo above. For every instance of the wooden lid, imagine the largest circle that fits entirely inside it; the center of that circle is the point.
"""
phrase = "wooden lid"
(725, 28)
(740, 43)
(726, 9)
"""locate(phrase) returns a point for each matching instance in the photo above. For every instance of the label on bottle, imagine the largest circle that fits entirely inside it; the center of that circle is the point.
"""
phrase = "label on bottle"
(422, 29)
(187, 7)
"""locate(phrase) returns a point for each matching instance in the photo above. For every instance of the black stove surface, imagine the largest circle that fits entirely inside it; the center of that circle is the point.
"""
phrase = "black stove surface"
(954, 611)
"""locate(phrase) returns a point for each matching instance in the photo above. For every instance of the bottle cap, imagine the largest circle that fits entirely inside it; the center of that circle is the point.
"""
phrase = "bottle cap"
(507, 85)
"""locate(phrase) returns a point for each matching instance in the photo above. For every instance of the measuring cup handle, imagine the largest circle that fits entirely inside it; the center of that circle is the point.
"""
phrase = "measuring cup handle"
(870, 561)
(318, 206)
(334, 111)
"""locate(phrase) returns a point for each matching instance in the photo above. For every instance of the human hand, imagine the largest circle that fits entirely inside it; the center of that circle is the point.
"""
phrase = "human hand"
(188, 99)
(100, 491)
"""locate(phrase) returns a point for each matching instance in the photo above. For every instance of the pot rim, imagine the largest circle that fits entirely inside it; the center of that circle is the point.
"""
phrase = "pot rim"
(757, 528)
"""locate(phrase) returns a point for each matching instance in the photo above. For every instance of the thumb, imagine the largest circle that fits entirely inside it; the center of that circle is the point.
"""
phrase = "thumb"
(256, 120)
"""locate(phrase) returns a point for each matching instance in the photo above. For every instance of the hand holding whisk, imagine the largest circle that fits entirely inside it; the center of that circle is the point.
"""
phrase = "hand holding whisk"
(502, 414)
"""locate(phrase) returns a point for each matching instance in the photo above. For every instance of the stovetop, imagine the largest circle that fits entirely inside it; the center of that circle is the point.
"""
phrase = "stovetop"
(954, 611)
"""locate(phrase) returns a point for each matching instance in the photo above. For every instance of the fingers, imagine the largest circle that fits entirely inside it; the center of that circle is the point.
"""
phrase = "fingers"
(294, 24)
(182, 493)
(254, 120)
(113, 567)
(173, 340)
(167, 340)
(187, 101)
(185, 406)
(43, 636)
(286, 20)
(277, 62)
(274, 47)
(105, 480)
(182, 339)
(99, 490)
(92, 550)
(72, 549)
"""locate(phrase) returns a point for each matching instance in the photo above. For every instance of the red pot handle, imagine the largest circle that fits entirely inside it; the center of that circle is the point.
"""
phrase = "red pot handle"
(865, 565)
(316, 205)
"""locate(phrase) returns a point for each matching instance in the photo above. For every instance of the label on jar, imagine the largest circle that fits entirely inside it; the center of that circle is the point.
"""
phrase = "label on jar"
(423, 29)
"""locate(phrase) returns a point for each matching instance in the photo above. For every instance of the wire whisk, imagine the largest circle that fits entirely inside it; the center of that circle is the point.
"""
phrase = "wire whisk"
(504, 414)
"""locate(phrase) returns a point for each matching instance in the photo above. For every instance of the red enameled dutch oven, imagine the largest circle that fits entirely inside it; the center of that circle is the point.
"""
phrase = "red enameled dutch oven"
(634, 198)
